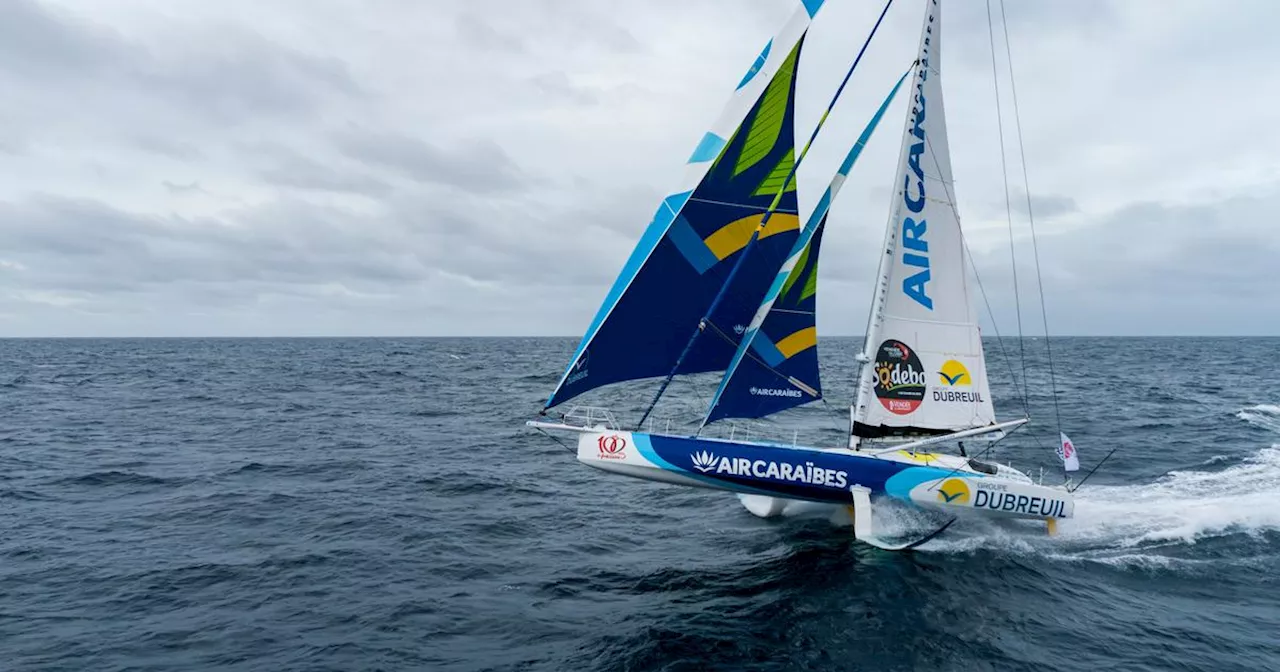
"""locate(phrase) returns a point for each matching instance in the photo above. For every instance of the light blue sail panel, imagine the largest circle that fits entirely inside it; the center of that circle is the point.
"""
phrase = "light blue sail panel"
(812, 6)
(780, 371)
(759, 63)
(776, 363)
(708, 149)
(685, 256)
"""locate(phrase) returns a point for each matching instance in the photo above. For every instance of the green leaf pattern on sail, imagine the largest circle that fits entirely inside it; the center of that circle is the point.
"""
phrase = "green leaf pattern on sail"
(811, 285)
(795, 272)
(767, 124)
(773, 182)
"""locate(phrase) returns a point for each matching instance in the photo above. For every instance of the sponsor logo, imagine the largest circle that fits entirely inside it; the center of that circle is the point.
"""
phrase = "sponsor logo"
(612, 447)
(704, 461)
(1011, 503)
(775, 392)
(900, 378)
(579, 370)
(708, 462)
(952, 375)
(954, 491)
(1066, 450)
(915, 247)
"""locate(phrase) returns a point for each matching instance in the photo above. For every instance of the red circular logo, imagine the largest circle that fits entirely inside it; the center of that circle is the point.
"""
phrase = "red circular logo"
(611, 446)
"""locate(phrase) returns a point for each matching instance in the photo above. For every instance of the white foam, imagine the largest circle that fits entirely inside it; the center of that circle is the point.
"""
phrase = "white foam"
(1133, 525)
(1183, 505)
(1266, 416)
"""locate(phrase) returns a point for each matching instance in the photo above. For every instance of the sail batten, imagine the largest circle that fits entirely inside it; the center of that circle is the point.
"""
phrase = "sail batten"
(924, 371)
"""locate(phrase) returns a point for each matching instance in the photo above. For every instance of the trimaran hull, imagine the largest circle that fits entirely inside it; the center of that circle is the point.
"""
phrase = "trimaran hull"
(928, 480)
(922, 333)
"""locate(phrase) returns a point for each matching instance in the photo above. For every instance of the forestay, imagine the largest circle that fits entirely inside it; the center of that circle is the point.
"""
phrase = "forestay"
(685, 255)
(925, 372)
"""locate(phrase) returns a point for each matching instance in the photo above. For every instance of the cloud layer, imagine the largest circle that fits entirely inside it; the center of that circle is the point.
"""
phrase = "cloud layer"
(243, 168)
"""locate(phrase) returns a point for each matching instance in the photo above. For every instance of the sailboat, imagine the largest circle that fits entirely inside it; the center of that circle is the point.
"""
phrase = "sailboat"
(724, 279)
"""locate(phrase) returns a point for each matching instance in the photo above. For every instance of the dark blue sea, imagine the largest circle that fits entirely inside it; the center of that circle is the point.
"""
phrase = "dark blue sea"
(377, 504)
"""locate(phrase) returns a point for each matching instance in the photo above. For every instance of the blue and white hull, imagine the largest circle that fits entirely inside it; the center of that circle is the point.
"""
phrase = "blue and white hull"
(936, 481)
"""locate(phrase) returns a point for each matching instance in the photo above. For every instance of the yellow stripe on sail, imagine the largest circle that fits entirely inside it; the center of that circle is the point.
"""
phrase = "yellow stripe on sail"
(734, 236)
(798, 342)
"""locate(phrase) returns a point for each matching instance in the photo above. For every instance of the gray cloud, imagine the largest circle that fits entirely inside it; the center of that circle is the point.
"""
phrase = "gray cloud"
(176, 188)
(1203, 267)
(289, 169)
(225, 72)
(477, 166)
(1045, 206)
(185, 167)
(39, 41)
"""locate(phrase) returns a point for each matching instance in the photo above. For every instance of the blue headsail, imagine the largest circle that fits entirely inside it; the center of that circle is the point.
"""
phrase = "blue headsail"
(776, 363)
(684, 257)
(781, 368)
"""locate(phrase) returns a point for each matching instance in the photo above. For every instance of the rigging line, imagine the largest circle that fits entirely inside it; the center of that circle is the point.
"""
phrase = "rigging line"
(992, 444)
(1095, 468)
(764, 221)
(1022, 155)
(720, 332)
(702, 401)
(837, 417)
(557, 440)
(1008, 206)
(951, 202)
(829, 195)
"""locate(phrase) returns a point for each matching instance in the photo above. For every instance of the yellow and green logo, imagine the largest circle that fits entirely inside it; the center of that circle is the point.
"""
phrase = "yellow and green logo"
(954, 491)
(954, 374)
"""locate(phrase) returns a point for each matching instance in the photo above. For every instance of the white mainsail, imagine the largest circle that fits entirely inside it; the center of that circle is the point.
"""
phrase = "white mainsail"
(924, 371)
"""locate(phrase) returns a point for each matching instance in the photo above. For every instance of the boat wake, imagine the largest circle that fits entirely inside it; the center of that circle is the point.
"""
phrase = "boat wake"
(1182, 506)
(1153, 523)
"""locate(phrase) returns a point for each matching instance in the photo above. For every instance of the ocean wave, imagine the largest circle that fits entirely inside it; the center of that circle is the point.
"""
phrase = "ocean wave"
(1182, 506)
(21, 494)
(118, 478)
(1266, 416)
(307, 469)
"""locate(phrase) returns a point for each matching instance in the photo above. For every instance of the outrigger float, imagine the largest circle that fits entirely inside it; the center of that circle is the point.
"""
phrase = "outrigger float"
(725, 279)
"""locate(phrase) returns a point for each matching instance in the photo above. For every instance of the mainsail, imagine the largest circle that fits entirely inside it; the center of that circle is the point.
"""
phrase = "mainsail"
(776, 364)
(684, 257)
(923, 370)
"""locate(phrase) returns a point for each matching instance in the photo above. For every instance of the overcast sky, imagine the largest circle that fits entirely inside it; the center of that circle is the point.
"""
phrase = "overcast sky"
(483, 167)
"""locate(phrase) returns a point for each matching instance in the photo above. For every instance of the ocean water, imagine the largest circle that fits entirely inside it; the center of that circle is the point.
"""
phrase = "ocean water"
(377, 504)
